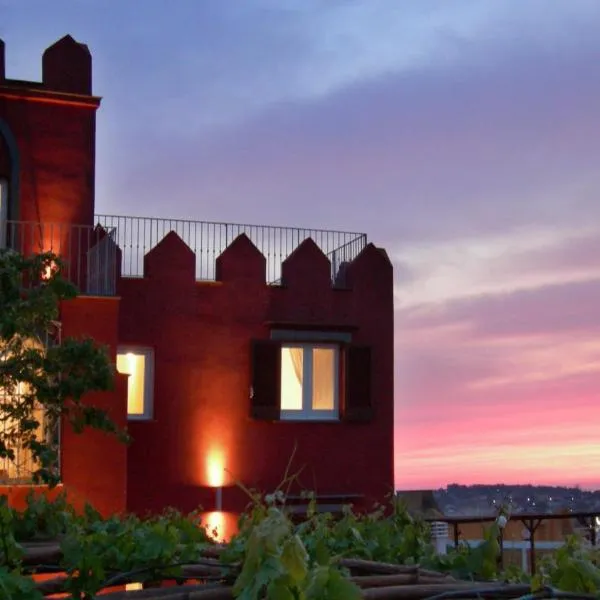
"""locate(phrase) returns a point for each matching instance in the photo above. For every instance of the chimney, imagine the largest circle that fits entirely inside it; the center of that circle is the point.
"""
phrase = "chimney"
(67, 67)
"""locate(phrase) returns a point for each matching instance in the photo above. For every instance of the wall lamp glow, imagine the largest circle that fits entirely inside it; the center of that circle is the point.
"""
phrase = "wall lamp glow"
(215, 475)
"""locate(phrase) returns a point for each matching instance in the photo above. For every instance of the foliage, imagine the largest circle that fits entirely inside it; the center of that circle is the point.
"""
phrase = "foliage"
(42, 518)
(94, 550)
(43, 378)
(572, 567)
(270, 557)
(474, 563)
(16, 587)
(395, 538)
(276, 562)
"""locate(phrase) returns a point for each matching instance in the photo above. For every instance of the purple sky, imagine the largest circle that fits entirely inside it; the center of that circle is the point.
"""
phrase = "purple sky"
(464, 136)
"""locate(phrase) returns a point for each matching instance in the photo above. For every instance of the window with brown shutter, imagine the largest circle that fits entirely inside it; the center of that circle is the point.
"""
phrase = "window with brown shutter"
(309, 381)
(358, 405)
(266, 380)
(294, 381)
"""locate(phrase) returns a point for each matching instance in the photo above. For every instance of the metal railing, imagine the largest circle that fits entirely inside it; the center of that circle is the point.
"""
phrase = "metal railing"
(136, 236)
(89, 254)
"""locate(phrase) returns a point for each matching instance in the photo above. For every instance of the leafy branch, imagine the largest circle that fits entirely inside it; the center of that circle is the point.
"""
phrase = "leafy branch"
(43, 379)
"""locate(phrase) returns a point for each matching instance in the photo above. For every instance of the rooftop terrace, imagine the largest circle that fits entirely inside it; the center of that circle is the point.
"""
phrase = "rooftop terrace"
(90, 254)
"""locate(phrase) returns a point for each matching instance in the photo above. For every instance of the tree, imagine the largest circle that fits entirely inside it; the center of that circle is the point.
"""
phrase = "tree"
(43, 379)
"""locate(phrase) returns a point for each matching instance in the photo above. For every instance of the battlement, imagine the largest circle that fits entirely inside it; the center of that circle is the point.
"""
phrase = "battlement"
(96, 257)
(211, 244)
(66, 69)
(307, 267)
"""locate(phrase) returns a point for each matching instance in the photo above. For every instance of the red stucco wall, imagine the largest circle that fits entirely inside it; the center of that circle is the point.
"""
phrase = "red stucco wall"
(94, 463)
(201, 335)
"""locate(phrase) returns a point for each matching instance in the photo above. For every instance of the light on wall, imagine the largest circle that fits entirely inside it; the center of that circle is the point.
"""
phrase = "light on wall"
(215, 468)
(215, 475)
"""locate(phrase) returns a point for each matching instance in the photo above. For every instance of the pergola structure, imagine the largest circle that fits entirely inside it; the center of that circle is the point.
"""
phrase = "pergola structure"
(531, 522)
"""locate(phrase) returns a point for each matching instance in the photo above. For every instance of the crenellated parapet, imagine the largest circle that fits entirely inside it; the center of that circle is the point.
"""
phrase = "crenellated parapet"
(241, 262)
(170, 262)
(306, 273)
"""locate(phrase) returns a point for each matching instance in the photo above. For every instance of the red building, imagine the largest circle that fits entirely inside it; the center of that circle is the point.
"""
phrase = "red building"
(236, 346)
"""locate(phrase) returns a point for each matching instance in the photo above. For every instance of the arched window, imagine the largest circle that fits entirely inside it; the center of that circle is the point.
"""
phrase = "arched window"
(9, 182)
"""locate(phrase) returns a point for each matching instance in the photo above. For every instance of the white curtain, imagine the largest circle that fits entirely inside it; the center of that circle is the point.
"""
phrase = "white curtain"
(323, 379)
(297, 357)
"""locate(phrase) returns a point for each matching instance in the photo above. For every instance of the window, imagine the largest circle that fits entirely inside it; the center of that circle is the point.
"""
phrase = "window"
(22, 468)
(321, 377)
(138, 363)
(309, 381)
(3, 211)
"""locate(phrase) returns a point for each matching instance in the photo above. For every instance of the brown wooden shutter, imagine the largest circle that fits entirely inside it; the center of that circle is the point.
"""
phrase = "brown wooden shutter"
(358, 406)
(265, 393)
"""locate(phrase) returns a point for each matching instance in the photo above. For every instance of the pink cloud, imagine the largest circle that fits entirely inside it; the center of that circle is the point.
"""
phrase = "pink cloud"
(500, 388)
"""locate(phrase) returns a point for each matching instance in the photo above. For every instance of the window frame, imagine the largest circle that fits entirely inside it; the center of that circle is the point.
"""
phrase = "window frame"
(148, 353)
(307, 413)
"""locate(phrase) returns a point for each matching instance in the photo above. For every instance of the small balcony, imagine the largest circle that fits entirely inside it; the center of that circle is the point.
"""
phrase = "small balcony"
(90, 254)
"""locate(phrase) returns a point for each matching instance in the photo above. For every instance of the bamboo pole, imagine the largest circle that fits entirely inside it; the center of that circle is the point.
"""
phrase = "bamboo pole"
(373, 567)
(369, 581)
(420, 592)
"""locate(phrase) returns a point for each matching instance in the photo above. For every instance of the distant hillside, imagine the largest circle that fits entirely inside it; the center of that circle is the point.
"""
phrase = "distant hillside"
(480, 500)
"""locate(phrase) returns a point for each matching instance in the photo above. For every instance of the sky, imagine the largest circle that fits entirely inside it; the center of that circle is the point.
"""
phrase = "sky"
(463, 136)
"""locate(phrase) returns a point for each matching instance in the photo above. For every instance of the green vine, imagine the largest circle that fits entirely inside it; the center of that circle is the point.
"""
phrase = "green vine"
(271, 556)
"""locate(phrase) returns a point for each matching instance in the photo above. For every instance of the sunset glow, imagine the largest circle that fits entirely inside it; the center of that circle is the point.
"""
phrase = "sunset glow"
(515, 394)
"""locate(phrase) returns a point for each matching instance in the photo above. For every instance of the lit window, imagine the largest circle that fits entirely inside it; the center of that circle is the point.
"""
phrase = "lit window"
(21, 469)
(309, 381)
(138, 363)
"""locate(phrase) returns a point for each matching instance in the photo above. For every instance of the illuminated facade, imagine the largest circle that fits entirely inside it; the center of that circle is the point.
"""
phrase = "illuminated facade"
(236, 347)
